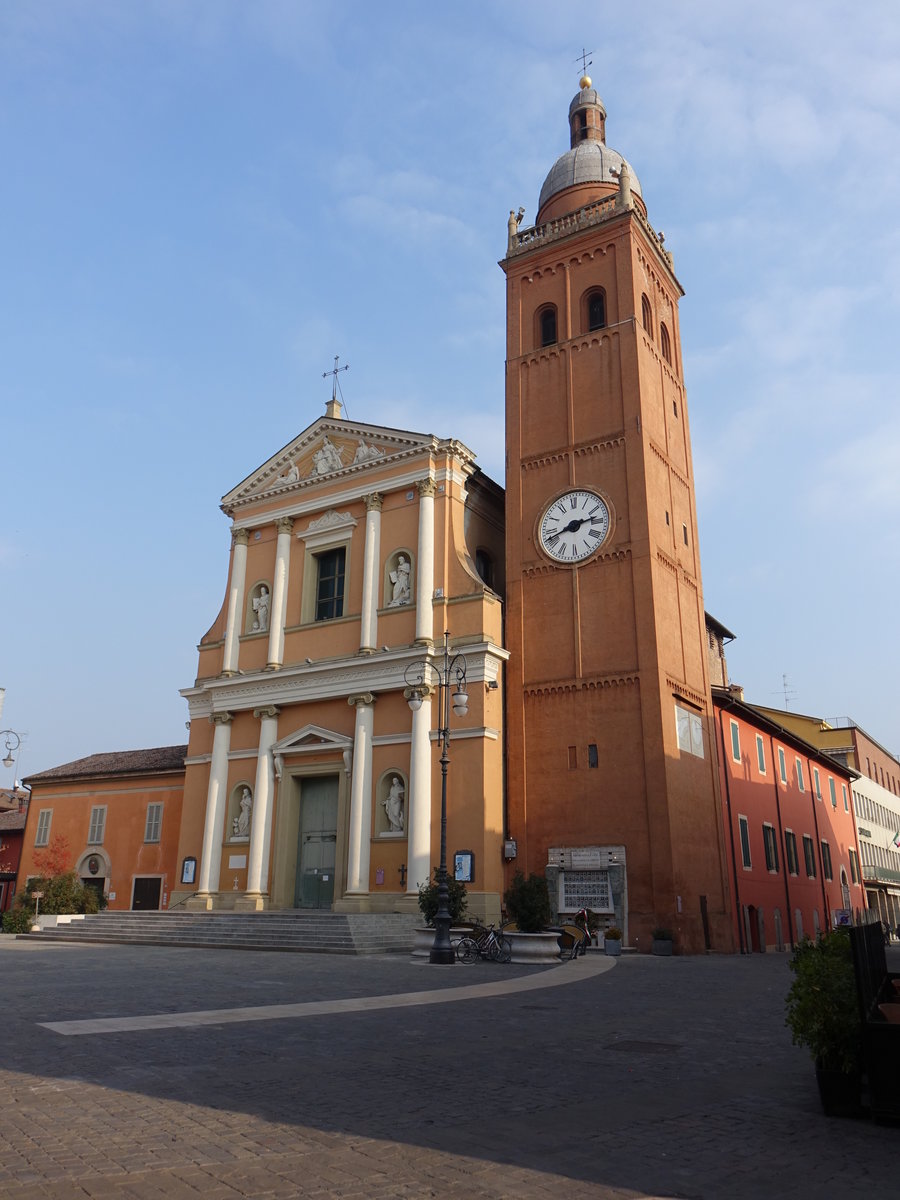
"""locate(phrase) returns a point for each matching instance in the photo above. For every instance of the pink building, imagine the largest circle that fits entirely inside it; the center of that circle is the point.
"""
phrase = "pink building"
(792, 848)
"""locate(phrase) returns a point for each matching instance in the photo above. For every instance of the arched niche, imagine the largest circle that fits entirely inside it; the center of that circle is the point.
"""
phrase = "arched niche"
(259, 603)
(391, 799)
(240, 812)
(398, 579)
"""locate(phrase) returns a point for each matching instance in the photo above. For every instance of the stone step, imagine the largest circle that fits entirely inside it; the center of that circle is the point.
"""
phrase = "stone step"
(293, 931)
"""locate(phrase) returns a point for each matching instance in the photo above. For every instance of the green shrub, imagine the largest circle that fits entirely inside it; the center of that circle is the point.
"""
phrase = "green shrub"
(456, 899)
(17, 920)
(527, 902)
(822, 1008)
(661, 934)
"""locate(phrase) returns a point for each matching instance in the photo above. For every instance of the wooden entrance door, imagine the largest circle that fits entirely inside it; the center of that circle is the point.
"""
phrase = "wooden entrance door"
(146, 892)
(317, 842)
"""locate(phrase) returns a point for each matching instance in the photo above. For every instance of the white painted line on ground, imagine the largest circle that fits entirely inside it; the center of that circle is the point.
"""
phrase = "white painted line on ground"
(573, 972)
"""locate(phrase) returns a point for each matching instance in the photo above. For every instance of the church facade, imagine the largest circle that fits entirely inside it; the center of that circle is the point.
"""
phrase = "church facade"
(311, 780)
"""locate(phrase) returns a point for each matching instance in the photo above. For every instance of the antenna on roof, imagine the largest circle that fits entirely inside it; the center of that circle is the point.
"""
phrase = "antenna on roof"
(333, 409)
(789, 692)
(584, 60)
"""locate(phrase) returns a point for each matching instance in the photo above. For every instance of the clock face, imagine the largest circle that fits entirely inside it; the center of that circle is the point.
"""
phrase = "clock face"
(574, 526)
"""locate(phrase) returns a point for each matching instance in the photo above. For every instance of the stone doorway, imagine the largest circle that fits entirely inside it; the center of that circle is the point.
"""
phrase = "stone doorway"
(317, 842)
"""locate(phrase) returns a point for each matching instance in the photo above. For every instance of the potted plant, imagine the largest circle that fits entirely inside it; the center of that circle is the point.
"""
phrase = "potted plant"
(823, 1015)
(612, 941)
(527, 903)
(456, 899)
(663, 941)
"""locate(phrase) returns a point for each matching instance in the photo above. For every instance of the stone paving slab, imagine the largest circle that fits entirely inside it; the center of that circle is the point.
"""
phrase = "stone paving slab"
(668, 1078)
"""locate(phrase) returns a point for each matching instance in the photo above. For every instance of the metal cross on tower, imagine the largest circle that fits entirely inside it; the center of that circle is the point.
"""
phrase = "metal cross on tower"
(585, 61)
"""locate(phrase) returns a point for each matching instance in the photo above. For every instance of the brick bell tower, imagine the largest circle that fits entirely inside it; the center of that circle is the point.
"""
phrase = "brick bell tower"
(612, 781)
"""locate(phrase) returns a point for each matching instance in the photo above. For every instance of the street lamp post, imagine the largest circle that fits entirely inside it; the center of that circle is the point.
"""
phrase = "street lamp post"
(11, 747)
(450, 678)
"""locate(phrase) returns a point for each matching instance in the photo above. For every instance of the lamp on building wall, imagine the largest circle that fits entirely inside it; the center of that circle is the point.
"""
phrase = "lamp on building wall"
(11, 747)
(449, 677)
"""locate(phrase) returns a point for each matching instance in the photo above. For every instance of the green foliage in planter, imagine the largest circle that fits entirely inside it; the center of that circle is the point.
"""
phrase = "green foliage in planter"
(662, 935)
(456, 899)
(612, 934)
(822, 1008)
(17, 920)
(527, 902)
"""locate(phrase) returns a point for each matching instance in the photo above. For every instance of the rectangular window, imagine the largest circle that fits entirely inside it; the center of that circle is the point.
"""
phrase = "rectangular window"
(760, 754)
(809, 856)
(771, 847)
(790, 852)
(854, 866)
(744, 825)
(42, 837)
(593, 758)
(573, 758)
(826, 859)
(799, 765)
(832, 792)
(330, 584)
(97, 826)
(844, 794)
(154, 822)
(782, 766)
(689, 731)
(735, 741)
(817, 782)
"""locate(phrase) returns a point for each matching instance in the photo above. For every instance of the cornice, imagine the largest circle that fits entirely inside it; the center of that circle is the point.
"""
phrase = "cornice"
(596, 684)
(607, 556)
(686, 693)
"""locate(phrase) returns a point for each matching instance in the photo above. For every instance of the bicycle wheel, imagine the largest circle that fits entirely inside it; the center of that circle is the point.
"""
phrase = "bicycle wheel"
(466, 950)
(504, 946)
(493, 950)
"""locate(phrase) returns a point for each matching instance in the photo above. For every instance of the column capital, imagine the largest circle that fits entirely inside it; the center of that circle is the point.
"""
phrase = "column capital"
(374, 501)
(240, 537)
(223, 718)
(284, 524)
(362, 698)
(426, 487)
(268, 710)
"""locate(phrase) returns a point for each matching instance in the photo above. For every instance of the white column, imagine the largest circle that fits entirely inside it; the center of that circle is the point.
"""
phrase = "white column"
(233, 621)
(418, 847)
(279, 592)
(368, 630)
(264, 790)
(425, 564)
(361, 796)
(213, 831)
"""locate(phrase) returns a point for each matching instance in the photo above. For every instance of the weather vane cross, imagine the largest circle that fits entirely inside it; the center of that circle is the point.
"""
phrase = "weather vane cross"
(334, 372)
(585, 61)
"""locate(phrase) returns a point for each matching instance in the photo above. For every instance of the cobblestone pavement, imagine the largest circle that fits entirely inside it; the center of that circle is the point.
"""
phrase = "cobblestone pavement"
(657, 1078)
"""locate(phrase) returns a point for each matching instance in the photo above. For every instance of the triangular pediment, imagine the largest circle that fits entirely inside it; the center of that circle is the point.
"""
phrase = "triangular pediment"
(327, 449)
(312, 738)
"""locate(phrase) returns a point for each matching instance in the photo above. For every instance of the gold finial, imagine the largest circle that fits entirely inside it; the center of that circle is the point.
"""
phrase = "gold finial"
(585, 82)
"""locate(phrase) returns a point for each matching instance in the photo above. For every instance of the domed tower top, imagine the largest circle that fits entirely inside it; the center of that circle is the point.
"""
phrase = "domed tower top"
(590, 169)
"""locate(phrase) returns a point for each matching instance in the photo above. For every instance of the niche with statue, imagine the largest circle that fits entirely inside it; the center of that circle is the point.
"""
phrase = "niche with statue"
(391, 805)
(240, 813)
(398, 579)
(259, 601)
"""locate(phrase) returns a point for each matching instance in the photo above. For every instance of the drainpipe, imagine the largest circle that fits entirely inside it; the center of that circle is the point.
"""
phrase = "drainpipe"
(818, 850)
(787, 886)
(737, 891)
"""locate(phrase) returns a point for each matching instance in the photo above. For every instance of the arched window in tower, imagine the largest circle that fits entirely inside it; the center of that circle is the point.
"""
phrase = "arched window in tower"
(547, 325)
(664, 344)
(484, 565)
(596, 309)
(646, 314)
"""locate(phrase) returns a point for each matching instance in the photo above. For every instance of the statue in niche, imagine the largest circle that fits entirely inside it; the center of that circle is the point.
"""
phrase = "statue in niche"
(240, 826)
(291, 475)
(366, 453)
(393, 805)
(261, 608)
(326, 458)
(400, 580)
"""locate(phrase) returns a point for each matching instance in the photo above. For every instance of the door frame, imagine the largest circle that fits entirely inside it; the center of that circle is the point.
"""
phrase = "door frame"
(149, 875)
(286, 830)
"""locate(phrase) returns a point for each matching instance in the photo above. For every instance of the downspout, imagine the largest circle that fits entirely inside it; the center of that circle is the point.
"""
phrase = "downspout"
(787, 886)
(821, 866)
(737, 892)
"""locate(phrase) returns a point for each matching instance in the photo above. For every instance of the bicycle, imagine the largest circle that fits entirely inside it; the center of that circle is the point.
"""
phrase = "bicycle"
(485, 943)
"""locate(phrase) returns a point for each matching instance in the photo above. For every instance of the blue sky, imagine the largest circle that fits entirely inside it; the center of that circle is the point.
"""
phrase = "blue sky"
(204, 201)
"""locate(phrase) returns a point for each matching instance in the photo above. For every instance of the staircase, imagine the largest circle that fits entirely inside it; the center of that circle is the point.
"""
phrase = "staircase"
(297, 931)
